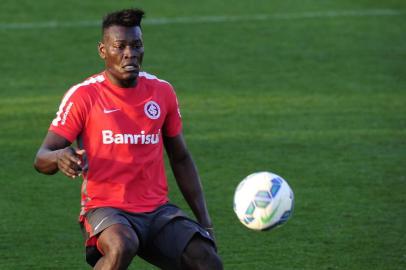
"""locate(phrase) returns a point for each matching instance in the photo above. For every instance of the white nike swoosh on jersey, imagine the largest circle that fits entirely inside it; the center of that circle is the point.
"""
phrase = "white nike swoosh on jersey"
(110, 111)
(98, 225)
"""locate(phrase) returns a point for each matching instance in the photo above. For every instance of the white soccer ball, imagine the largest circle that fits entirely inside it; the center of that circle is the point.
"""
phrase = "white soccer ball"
(263, 201)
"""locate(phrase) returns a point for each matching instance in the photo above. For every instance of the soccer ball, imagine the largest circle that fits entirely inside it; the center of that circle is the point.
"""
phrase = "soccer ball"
(263, 201)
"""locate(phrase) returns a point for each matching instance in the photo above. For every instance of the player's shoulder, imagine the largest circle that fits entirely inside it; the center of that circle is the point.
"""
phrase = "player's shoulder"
(90, 83)
(87, 87)
(153, 80)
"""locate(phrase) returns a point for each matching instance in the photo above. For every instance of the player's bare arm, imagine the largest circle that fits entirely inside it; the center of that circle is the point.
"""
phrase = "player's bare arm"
(187, 177)
(57, 154)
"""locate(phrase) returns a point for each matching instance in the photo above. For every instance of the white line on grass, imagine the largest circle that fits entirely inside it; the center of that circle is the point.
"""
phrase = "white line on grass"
(216, 19)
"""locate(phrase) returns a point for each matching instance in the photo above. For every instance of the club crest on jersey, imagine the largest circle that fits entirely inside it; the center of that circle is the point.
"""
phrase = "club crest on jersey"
(152, 110)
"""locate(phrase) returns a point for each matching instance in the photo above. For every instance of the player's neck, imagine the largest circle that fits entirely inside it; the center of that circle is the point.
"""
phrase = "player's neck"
(130, 83)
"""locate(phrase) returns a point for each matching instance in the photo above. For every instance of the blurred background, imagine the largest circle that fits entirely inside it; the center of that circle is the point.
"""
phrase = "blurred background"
(313, 90)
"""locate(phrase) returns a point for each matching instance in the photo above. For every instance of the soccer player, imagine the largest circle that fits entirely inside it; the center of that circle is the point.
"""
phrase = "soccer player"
(122, 119)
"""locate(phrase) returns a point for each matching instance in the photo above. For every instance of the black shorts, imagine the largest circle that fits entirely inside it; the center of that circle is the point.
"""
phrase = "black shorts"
(163, 233)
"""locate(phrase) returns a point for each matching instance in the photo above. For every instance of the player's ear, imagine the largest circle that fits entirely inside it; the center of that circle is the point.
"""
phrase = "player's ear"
(102, 50)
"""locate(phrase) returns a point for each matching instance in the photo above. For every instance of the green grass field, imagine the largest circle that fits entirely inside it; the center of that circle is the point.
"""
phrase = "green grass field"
(312, 90)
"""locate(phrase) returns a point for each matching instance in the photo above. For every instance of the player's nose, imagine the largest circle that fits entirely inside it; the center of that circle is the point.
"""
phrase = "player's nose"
(130, 52)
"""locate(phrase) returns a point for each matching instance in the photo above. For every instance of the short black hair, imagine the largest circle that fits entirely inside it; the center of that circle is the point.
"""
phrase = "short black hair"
(125, 17)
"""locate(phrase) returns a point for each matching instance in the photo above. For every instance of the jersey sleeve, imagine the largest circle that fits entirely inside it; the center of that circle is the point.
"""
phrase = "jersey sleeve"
(173, 120)
(72, 114)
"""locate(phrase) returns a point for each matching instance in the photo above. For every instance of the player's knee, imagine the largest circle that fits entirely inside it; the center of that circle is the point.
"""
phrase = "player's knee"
(120, 243)
(123, 247)
(200, 254)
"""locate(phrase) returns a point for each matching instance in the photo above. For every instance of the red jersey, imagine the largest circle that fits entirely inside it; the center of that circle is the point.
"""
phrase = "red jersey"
(121, 130)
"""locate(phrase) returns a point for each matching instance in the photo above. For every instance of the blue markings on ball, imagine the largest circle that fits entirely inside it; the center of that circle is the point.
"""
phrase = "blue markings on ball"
(276, 186)
(250, 210)
(262, 199)
(282, 220)
(285, 217)
(248, 220)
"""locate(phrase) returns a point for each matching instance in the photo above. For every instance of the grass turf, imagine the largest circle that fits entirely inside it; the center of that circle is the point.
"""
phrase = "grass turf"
(320, 101)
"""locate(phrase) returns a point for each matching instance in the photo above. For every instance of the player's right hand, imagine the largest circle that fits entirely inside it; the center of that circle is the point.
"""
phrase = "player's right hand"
(69, 161)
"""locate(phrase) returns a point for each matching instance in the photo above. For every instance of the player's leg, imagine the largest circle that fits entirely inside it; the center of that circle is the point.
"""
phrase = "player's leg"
(177, 242)
(118, 244)
(200, 254)
(111, 241)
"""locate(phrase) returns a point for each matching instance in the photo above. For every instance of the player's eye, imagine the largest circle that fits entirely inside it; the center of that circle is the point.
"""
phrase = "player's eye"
(119, 46)
(137, 45)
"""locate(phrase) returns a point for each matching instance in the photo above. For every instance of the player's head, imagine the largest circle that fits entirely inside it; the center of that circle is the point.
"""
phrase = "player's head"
(126, 17)
(122, 46)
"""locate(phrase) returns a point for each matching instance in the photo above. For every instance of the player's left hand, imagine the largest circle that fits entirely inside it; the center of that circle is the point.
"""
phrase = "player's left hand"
(69, 161)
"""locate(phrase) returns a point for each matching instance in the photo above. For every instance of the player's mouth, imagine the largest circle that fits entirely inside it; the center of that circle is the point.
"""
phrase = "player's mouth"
(131, 68)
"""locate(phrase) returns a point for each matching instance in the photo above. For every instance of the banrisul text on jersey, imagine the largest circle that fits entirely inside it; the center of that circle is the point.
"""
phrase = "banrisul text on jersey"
(109, 137)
